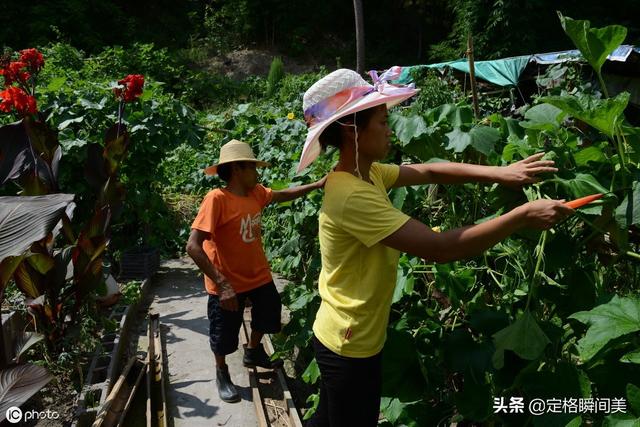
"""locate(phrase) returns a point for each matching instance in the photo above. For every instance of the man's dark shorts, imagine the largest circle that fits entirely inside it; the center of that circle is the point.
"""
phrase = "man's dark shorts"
(224, 325)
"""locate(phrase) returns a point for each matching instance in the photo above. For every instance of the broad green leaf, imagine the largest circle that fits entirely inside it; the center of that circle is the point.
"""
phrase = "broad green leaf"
(312, 373)
(404, 285)
(459, 140)
(595, 44)
(628, 212)
(618, 317)
(19, 383)
(603, 115)
(90, 105)
(589, 154)
(524, 337)
(27, 219)
(392, 408)
(7, 267)
(484, 138)
(543, 117)
(516, 146)
(454, 280)
(56, 83)
(633, 397)
(401, 373)
(41, 262)
(455, 115)
(407, 128)
(398, 196)
(581, 185)
(68, 122)
(633, 357)
(28, 280)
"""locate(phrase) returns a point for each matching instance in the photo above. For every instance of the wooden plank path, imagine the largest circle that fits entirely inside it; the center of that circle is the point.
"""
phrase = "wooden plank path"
(192, 398)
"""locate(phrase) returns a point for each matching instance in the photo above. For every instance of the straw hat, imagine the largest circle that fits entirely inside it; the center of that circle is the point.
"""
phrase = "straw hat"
(341, 93)
(235, 151)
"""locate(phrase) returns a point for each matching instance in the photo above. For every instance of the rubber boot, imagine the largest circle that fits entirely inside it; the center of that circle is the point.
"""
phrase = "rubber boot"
(227, 391)
(258, 357)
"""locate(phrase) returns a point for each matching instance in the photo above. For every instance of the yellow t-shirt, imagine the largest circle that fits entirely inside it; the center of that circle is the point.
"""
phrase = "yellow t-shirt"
(358, 273)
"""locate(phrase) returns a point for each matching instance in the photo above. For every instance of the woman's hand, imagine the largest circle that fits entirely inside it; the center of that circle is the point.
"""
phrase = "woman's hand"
(544, 214)
(525, 171)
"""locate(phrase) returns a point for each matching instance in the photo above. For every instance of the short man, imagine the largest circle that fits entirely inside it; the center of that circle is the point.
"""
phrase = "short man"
(226, 243)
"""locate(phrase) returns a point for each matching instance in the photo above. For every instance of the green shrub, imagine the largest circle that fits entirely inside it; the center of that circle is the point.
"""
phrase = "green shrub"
(276, 72)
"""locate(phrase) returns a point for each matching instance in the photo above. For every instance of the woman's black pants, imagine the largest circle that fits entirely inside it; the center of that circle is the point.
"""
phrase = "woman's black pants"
(349, 389)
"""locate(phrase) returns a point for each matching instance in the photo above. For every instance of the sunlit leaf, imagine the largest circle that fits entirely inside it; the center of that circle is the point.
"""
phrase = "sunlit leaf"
(633, 357)
(602, 114)
(618, 317)
(312, 373)
(407, 128)
(543, 117)
(589, 154)
(595, 44)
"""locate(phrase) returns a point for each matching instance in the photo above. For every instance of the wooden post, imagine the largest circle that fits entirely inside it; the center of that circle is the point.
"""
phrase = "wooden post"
(472, 73)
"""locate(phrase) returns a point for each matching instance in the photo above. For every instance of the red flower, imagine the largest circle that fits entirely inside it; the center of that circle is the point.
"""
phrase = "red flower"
(133, 85)
(33, 59)
(13, 73)
(16, 98)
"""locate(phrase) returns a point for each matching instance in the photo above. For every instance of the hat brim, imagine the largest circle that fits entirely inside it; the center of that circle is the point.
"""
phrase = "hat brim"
(312, 147)
(212, 170)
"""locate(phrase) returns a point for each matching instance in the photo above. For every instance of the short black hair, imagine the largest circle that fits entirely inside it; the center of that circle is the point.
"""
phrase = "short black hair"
(331, 135)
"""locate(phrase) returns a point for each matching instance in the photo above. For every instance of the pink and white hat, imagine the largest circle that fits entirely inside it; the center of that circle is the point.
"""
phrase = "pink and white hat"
(341, 93)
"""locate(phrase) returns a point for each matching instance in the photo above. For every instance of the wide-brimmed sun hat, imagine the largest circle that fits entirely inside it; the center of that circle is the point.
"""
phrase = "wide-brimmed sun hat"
(235, 151)
(341, 93)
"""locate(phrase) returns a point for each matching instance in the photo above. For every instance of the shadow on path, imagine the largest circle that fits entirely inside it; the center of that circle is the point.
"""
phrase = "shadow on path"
(192, 398)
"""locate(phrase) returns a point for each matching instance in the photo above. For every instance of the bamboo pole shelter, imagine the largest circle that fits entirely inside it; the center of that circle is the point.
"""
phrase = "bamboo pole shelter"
(472, 74)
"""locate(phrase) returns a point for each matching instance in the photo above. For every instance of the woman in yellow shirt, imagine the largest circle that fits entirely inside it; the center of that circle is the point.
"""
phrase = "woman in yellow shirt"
(362, 234)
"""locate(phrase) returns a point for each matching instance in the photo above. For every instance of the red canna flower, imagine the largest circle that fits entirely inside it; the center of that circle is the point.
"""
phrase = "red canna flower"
(133, 84)
(15, 98)
(14, 73)
(33, 59)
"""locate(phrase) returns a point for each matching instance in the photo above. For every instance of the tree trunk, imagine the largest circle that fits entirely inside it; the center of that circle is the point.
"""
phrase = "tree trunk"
(357, 9)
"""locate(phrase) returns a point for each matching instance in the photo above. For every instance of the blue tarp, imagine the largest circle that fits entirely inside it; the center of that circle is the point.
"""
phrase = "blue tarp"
(507, 71)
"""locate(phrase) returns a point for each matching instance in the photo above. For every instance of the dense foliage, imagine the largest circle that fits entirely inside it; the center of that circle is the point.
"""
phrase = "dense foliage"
(422, 30)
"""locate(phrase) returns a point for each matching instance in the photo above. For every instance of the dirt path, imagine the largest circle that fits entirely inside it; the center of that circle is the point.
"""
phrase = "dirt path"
(180, 299)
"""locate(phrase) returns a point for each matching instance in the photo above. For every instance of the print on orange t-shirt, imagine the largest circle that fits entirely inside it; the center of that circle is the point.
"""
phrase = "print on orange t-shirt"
(234, 245)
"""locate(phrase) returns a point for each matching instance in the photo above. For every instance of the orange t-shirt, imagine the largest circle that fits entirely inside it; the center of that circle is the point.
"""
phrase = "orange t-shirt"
(234, 245)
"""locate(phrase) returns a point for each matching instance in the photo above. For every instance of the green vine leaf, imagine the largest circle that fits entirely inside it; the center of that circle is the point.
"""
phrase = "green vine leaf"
(524, 337)
(618, 317)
